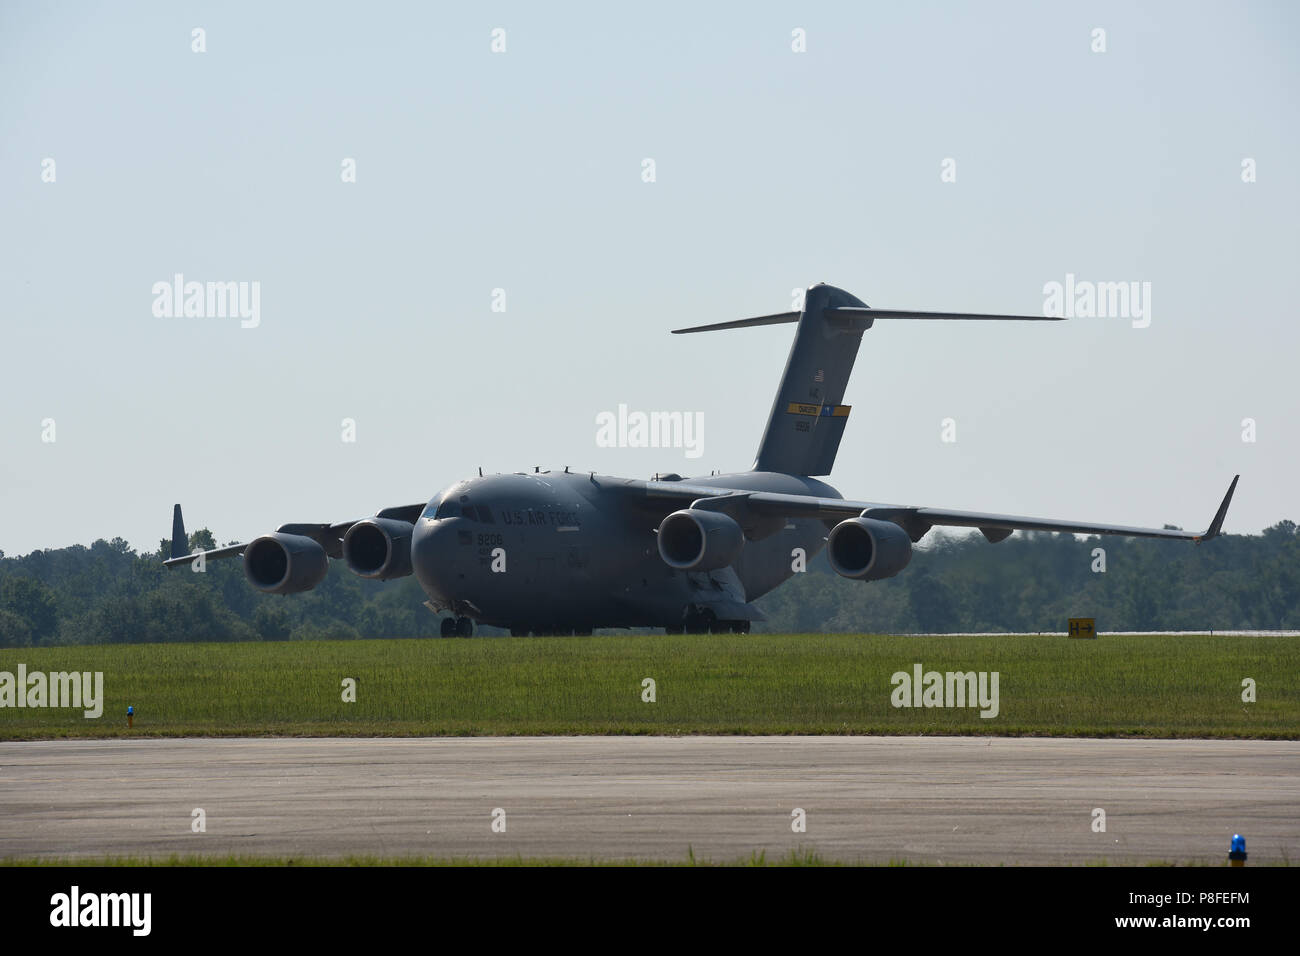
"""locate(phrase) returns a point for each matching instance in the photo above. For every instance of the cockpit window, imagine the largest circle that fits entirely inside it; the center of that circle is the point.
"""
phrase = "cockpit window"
(458, 507)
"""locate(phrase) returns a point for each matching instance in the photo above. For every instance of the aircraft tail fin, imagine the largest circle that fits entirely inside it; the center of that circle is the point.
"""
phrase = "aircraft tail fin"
(180, 541)
(807, 420)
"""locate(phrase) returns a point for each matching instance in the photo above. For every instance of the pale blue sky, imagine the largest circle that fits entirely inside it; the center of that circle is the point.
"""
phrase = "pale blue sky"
(522, 171)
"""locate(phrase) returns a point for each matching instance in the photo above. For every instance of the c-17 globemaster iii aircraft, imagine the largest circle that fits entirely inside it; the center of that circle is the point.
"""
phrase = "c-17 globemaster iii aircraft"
(565, 552)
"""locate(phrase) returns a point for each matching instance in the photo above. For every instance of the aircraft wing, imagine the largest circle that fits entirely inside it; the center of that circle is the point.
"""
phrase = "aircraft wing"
(228, 551)
(328, 536)
(916, 521)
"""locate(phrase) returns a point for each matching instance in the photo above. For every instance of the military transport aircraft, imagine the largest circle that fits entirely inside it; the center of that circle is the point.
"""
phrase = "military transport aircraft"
(564, 552)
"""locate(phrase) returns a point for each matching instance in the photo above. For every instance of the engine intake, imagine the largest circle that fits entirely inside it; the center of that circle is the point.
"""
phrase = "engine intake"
(866, 549)
(282, 563)
(379, 548)
(697, 540)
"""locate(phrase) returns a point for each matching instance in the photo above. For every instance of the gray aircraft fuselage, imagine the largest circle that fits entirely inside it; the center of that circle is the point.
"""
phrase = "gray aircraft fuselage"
(574, 556)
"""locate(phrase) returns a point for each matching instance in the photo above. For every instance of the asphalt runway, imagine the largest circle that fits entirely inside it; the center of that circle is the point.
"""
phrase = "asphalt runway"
(866, 799)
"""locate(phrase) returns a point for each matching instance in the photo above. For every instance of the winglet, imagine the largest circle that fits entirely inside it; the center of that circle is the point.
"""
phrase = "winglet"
(1217, 523)
(180, 541)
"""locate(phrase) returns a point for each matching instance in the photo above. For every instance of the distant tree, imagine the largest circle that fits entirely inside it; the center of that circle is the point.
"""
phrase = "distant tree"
(933, 604)
(272, 621)
(1282, 530)
(14, 631)
(32, 601)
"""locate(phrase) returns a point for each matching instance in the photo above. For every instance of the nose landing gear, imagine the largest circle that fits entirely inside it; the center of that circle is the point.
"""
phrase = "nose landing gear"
(457, 627)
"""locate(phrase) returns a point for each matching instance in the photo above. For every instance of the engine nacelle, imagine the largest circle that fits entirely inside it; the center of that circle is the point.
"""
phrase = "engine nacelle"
(867, 549)
(282, 563)
(379, 548)
(697, 540)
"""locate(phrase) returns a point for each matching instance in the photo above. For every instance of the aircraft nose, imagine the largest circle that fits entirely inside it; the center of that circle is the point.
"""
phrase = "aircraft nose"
(433, 552)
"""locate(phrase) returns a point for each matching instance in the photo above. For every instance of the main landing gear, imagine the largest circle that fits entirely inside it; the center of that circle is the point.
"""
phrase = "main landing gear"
(704, 621)
(457, 627)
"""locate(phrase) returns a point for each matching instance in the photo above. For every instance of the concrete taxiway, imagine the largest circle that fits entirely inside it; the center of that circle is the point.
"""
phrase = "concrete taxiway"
(868, 799)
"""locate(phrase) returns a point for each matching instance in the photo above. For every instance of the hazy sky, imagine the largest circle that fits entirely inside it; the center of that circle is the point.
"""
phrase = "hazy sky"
(523, 171)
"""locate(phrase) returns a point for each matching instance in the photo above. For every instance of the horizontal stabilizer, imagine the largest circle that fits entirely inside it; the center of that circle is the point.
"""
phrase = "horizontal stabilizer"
(855, 317)
(779, 318)
(862, 318)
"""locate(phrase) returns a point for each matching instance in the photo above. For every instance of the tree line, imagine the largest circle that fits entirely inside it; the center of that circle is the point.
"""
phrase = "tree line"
(108, 593)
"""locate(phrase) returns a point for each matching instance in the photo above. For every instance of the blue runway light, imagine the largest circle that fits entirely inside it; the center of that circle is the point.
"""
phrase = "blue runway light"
(1237, 850)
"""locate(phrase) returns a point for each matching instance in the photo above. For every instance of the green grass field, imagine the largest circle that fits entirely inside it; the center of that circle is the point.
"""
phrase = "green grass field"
(716, 684)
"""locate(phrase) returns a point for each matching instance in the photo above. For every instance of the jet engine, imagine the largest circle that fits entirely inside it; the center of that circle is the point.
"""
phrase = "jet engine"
(867, 549)
(379, 548)
(698, 540)
(282, 563)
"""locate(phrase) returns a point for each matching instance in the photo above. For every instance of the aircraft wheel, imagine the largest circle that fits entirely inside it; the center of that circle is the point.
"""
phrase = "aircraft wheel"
(464, 627)
(701, 622)
(448, 627)
(740, 627)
